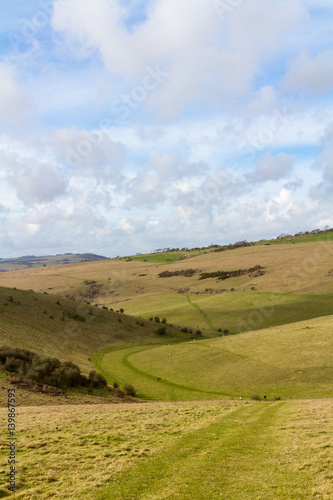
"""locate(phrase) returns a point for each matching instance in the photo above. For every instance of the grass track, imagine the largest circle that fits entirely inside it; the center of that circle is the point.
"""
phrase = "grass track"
(245, 455)
(266, 362)
(210, 450)
(206, 319)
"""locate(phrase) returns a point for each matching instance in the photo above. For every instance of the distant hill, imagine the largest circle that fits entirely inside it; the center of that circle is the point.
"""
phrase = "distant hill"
(28, 261)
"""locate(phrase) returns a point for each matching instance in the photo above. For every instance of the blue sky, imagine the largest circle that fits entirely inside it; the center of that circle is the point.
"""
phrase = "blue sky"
(127, 126)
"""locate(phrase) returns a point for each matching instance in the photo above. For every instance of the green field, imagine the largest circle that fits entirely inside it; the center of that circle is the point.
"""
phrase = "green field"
(184, 451)
(237, 311)
(295, 361)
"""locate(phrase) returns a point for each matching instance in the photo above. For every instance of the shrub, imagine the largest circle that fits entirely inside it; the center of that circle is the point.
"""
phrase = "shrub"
(96, 379)
(161, 330)
(157, 319)
(256, 397)
(226, 331)
(118, 392)
(129, 390)
(164, 320)
(121, 310)
(115, 385)
(198, 333)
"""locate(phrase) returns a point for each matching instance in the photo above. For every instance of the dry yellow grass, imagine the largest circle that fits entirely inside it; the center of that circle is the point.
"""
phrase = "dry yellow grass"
(188, 451)
(298, 268)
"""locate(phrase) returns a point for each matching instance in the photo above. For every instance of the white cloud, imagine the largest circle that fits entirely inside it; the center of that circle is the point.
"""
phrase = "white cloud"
(269, 167)
(14, 103)
(88, 153)
(34, 181)
(313, 74)
(205, 59)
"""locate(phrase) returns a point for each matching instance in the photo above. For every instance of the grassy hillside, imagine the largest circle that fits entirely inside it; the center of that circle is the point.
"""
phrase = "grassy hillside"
(70, 331)
(295, 361)
(185, 451)
(294, 283)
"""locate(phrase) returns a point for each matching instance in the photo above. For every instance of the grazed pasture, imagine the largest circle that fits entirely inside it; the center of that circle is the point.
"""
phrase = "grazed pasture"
(188, 451)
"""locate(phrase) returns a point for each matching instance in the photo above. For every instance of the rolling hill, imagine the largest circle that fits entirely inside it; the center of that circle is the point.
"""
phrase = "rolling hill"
(70, 331)
(293, 361)
(294, 282)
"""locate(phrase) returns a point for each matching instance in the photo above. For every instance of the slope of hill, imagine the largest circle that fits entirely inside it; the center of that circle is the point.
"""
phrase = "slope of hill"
(68, 330)
(294, 282)
(295, 361)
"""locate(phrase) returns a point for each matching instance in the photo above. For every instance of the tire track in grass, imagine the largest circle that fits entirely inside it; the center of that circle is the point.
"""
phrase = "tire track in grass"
(127, 364)
(209, 323)
(234, 458)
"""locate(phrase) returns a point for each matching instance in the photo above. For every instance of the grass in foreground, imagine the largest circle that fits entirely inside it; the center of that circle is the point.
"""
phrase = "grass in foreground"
(185, 451)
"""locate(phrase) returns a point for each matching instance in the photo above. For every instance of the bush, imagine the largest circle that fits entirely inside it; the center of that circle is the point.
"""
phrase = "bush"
(96, 379)
(256, 397)
(164, 320)
(157, 319)
(118, 392)
(129, 390)
(161, 330)
(48, 371)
